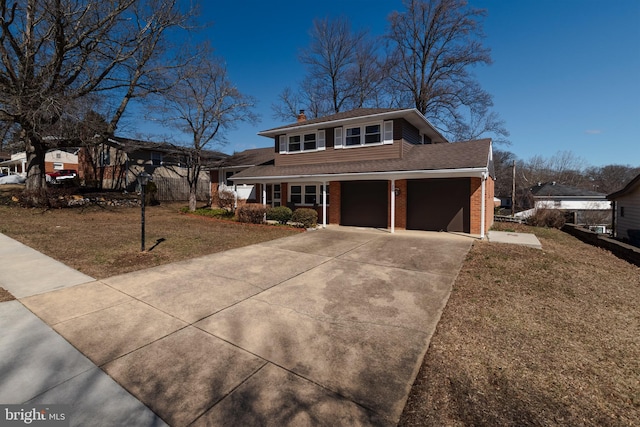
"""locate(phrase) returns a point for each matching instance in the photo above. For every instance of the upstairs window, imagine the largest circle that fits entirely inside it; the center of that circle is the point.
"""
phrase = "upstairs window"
(306, 142)
(362, 135)
(353, 136)
(294, 143)
(310, 141)
(372, 134)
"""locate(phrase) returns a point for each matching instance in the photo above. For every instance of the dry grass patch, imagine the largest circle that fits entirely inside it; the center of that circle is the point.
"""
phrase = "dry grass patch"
(5, 295)
(103, 242)
(535, 337)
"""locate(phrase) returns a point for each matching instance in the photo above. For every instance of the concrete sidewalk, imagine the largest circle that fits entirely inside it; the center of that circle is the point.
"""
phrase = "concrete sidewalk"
(38, 366)
(322, 328)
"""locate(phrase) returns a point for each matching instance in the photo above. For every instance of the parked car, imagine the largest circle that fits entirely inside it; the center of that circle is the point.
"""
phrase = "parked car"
(61, 175)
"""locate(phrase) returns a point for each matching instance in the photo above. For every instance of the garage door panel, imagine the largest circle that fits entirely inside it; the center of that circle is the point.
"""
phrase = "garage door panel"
(364, 204)
(439, 204)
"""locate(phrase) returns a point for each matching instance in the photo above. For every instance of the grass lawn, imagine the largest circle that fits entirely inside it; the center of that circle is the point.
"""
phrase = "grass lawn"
(528, 337)
(534, 338)
(103, 242)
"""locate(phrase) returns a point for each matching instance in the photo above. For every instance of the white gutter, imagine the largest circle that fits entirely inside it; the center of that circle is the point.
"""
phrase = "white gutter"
(482, 205)
(368, 176)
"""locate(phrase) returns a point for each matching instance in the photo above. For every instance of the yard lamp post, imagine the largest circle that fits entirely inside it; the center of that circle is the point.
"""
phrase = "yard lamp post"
(143, 180)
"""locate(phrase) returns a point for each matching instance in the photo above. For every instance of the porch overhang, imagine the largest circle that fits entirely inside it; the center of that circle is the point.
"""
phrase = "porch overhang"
(368, 176)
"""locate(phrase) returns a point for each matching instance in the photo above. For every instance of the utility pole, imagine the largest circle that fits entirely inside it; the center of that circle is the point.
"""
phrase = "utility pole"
(513, 190)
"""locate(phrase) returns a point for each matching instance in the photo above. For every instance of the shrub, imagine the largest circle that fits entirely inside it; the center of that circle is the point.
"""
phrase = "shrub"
(551, 218)
(211, 213)
(251, 213)
(282, 214)
(305, 217)
(225, 199)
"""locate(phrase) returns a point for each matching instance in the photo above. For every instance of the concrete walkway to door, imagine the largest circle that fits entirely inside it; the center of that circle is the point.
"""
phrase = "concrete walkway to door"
(327, 327)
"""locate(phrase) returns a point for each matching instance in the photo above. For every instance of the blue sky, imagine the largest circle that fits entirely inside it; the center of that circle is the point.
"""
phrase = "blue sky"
(565, 73)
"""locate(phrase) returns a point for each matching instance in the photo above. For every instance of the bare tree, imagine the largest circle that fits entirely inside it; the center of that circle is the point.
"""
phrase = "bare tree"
(343, 72)
(203, 104)
(433, 46)
(54, 53)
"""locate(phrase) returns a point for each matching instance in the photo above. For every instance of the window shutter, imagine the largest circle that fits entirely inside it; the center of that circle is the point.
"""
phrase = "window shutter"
(388, 132)
(321, 143)
(338, 137)
(283, 143)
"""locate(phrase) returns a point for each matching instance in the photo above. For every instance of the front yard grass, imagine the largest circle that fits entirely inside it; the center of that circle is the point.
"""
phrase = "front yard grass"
(534, 338)
(105, 241)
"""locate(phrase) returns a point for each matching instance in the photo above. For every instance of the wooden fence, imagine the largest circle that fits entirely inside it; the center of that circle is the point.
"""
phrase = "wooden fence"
(177, 189)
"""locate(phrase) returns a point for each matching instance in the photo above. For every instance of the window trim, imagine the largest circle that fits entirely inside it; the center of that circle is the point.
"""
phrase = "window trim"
(385, 132)
(303, 193)
(285, 142)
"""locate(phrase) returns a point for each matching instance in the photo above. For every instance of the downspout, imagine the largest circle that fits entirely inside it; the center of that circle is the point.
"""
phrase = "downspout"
(324, 205)
(614, 210)
(393, 206)
(483, 204)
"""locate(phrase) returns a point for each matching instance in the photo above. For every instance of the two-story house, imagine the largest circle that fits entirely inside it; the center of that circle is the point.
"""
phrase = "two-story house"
(383, 168)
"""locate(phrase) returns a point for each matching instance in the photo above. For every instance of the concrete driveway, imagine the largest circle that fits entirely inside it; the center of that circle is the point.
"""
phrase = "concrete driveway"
(323, 328)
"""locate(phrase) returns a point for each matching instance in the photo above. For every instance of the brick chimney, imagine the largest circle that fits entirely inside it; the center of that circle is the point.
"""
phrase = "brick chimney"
(302, 117)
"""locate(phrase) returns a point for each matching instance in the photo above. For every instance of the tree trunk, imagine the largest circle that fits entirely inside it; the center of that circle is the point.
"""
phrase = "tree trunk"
(35, 188)
(192, 198)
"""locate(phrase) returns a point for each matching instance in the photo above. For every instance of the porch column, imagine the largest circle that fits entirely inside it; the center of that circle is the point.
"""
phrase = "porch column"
(264, 193)
(393, 206)
(324, 205)
(482, 204)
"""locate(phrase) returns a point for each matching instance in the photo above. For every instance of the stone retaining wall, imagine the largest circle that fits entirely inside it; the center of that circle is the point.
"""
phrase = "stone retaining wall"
(620, 249)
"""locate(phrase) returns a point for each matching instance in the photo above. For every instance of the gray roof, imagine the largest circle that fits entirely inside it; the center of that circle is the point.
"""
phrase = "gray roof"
(460, 155)
(627, 188)
(358, 112)
(132, 145)
(553, 189)
(251, 157)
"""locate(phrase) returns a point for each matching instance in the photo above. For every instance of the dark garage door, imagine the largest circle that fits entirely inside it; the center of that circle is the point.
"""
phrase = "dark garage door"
(439, 204)
(364, 203)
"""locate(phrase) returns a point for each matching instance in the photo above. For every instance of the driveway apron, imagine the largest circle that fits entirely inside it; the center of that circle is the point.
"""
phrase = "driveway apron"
(327, 327)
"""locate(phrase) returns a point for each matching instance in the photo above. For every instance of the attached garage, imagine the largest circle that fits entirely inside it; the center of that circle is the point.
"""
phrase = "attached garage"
(441, 204)
(364, 203)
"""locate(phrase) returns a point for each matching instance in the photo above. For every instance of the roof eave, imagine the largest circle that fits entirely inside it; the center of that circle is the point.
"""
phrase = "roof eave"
(419, 121)
(361, 176)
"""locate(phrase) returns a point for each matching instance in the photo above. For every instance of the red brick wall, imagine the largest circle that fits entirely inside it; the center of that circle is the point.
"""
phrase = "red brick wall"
(476, 204)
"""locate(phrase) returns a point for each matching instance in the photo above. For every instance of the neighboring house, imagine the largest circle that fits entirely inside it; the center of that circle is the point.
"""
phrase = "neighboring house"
(581, 206)
(55, 159)
(383, 168)
(117, 163)
(626, 212)
(221, 177)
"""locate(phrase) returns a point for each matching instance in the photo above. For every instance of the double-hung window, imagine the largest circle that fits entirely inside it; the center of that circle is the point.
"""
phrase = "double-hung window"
(362, 135)
(310, 194)
(372, 134)
(294, 143)
(296, 194)
(307, 194)
(352, 136)
(300, 143)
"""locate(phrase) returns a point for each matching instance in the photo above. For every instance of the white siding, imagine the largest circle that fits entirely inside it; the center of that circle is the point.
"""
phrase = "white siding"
(631, 220)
